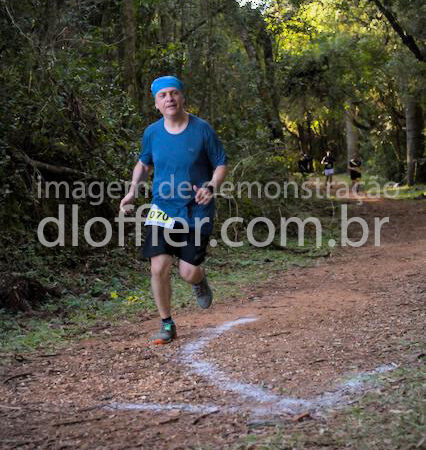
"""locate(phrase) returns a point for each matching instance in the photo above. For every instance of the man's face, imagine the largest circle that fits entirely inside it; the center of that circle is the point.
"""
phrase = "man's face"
(169, 101)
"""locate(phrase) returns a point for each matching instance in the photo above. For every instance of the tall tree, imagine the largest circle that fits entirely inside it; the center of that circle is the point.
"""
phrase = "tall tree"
(251, 28)
(414, 125)
(352, 138)
(407, 39)
(129, 48)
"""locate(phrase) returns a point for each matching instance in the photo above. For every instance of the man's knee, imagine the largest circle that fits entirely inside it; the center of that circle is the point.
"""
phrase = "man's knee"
(160, 266)
(188, 272)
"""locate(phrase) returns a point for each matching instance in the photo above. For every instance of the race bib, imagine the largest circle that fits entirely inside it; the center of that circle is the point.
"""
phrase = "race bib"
(159, 218)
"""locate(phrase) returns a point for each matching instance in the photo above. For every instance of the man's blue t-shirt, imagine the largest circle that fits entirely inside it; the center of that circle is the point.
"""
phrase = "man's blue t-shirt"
(181, 161)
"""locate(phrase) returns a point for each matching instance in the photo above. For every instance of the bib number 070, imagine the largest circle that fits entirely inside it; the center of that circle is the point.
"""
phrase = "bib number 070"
(159, 218)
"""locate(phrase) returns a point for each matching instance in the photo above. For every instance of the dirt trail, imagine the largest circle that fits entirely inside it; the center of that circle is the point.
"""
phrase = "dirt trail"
(349, 314)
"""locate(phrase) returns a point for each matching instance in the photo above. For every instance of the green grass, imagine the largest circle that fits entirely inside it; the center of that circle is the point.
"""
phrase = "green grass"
(407, 192)
(392, 416)
(372, 185)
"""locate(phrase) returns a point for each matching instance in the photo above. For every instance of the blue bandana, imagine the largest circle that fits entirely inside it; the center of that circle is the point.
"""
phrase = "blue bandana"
(165, 82)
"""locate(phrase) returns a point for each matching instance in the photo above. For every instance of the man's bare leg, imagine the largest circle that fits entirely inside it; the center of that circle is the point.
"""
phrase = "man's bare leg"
(190, 273)
(200, 287)
(160, 282)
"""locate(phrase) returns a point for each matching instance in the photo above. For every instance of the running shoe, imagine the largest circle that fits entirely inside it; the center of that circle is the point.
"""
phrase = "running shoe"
(166, 334)
(203, 293)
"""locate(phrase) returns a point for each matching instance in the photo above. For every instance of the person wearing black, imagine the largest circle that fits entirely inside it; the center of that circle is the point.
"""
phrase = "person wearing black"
(305, 163)
(355, 172)
(328, 162)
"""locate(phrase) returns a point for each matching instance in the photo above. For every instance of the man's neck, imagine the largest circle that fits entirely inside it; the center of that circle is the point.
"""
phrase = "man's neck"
(176, 124)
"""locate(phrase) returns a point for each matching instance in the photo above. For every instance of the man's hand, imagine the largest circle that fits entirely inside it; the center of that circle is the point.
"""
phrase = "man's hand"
(203, 196)
(127, 200)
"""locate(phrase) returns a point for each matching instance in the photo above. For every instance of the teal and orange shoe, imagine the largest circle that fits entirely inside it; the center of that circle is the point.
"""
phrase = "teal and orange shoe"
(166, 334)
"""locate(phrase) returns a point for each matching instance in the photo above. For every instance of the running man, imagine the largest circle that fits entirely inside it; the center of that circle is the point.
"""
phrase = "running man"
(328, 162)
(189, 166)
(354, 168)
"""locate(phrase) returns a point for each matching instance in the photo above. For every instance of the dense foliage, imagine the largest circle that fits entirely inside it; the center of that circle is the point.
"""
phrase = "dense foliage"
(273, 80)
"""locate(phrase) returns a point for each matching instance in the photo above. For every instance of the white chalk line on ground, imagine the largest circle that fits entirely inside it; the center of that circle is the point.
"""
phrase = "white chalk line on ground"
(252, 398)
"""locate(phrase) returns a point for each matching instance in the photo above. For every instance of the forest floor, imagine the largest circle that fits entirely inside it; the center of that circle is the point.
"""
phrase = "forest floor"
(288, 365)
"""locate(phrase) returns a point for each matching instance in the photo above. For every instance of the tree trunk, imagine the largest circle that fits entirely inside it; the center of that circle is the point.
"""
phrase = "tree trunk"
(262, 88)
(309, 130)
(52, 15)
(210, 64)
(273, 97)
(406, 38)
(303, 142)
(414, 123)
(352, 142)
(129, 48)
(262, 69)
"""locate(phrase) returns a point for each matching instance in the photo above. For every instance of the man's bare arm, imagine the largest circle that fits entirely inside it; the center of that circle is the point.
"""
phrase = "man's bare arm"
(203, 196)
(218, 177)
(140, 174)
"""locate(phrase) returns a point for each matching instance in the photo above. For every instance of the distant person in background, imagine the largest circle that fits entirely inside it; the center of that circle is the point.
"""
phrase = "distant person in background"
(328, 162)
(354, 168)
(305, 163)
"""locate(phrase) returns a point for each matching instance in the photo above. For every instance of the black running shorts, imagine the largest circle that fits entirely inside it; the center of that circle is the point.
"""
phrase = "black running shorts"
(355, 175)
(190, 252)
